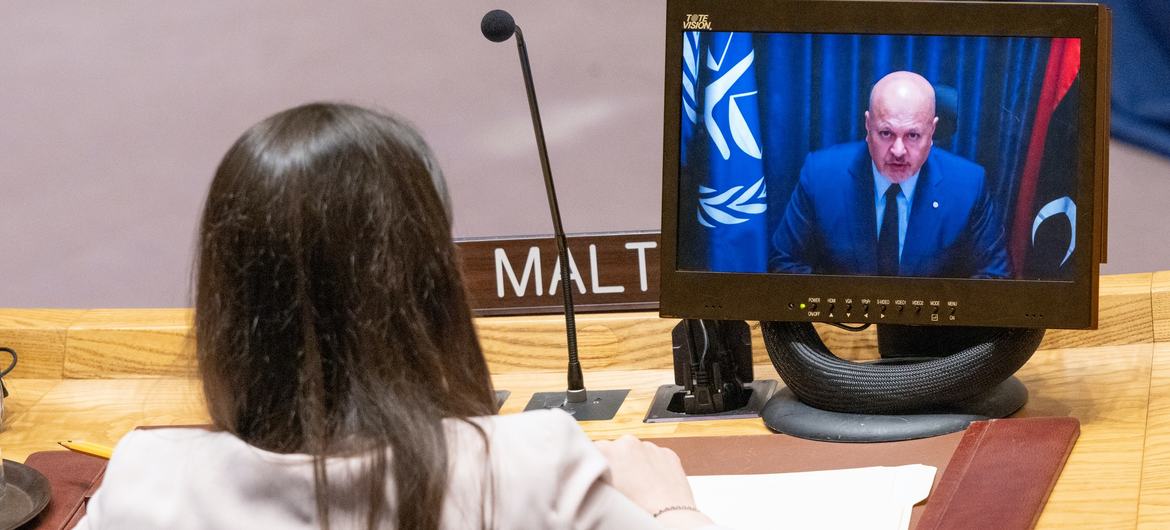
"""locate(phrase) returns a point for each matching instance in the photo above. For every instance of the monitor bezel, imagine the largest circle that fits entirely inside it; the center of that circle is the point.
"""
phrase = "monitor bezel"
(980, 302)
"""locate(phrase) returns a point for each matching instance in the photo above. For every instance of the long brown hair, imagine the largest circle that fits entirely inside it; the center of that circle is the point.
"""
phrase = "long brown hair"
(330, 314)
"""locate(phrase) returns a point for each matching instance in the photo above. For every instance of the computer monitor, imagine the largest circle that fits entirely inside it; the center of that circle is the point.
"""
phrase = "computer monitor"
(921, 163)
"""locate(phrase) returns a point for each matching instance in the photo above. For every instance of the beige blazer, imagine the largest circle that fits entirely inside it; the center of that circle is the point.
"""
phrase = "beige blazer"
(547, 474)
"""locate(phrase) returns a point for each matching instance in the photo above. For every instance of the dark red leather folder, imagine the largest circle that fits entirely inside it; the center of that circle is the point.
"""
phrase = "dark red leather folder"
(73, 477)
(1001, 474)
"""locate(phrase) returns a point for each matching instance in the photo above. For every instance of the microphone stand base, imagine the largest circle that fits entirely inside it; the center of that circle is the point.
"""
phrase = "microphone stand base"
(501, 397)
(599, 405)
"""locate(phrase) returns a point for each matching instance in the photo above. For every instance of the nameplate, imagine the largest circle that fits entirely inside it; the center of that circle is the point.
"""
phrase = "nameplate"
(608, 272)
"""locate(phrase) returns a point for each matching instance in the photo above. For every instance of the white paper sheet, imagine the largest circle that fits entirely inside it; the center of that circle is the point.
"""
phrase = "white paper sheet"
(878, 498)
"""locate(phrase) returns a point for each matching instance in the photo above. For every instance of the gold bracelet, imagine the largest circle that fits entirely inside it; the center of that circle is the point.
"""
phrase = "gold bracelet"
(674, 508)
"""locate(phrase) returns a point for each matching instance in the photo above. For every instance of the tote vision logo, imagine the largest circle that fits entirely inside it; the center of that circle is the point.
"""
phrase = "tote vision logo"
(695, 22)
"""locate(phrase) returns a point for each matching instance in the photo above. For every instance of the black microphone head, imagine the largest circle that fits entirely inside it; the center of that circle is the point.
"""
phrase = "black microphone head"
(497, 25)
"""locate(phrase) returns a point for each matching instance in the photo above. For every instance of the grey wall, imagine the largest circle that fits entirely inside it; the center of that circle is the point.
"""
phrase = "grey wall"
(1139, 196)
(113, 116)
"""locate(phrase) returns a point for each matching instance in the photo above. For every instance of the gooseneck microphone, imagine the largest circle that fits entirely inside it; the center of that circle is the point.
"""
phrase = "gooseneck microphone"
(498, 26)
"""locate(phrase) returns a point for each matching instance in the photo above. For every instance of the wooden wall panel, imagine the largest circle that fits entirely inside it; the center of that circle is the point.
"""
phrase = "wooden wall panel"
(38, 336)
(604, 341)
(1161, 306)
(642, 340)
(1123, 315)
(112, 343)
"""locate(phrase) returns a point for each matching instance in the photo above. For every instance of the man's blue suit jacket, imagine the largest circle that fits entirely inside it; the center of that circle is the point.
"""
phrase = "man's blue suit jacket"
(830, 225)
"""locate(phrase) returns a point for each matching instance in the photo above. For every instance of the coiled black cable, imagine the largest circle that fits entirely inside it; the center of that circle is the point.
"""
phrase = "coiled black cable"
(977, 360)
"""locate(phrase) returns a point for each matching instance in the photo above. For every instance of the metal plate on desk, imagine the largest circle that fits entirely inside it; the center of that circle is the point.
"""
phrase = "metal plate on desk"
(660, 408)
(25, 496)
(598, 405)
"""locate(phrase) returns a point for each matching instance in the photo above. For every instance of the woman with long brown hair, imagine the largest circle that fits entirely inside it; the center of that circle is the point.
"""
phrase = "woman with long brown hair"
(342, 373)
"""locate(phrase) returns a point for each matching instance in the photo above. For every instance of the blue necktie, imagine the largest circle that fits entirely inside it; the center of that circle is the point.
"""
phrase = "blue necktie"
(888, 236)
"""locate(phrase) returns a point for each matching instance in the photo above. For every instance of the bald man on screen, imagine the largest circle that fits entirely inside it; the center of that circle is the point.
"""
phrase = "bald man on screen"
(892, 205)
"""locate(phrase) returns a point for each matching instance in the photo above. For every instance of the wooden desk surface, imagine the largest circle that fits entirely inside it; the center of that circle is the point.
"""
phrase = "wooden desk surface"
(1118, 475)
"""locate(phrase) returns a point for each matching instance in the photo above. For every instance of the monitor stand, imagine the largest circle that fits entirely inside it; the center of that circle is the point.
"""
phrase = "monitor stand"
(930, 381)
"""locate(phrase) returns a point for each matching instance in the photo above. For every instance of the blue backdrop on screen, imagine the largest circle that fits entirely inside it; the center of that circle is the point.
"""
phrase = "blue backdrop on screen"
(755, 105)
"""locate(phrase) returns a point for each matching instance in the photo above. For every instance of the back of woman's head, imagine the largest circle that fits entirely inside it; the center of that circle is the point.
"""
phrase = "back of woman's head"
(330, 315)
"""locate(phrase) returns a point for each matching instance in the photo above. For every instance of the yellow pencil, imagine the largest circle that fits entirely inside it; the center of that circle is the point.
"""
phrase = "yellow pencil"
(88, 448)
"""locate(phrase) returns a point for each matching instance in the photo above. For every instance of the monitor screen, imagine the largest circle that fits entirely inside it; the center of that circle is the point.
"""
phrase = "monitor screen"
(864, 161)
